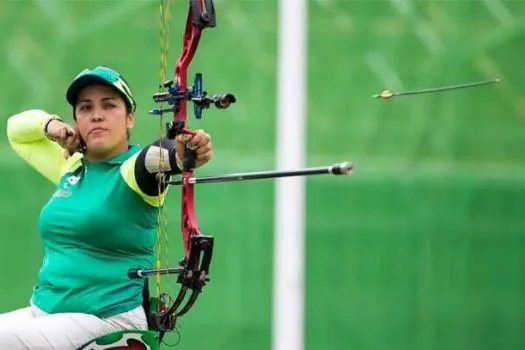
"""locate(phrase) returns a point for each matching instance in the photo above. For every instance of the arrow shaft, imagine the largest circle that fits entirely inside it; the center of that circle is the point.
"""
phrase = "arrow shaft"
(386, 94)
(448, 88)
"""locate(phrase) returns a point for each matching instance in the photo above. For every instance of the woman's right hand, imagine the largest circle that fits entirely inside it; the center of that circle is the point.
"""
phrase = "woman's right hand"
(65, 135)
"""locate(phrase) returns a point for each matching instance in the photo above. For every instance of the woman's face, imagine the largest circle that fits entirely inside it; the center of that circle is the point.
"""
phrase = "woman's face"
(103, 121)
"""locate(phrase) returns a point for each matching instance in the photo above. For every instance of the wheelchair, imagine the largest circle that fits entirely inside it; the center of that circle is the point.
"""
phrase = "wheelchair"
(138, 339)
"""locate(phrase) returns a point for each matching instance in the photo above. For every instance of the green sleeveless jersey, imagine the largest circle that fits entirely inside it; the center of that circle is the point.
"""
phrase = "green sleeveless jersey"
(96, 226)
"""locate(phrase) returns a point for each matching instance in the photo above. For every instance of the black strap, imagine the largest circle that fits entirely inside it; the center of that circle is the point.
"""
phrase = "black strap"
(146, 303)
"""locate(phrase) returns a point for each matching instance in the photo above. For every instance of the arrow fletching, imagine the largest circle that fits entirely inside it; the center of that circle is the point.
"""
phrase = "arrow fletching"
(386, 94)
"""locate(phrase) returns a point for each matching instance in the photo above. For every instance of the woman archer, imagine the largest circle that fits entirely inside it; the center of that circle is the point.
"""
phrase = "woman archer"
(101, 220)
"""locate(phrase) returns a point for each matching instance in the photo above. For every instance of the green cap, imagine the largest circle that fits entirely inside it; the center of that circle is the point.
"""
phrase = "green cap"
(100, 75)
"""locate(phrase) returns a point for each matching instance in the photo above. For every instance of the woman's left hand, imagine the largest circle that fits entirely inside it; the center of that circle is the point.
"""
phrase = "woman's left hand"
(200, 142)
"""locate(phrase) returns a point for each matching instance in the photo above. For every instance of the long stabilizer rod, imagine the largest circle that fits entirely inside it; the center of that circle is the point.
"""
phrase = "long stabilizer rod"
(343, 168)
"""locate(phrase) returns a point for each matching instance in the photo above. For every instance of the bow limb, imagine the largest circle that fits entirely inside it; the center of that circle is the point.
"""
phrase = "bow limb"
(191, 40)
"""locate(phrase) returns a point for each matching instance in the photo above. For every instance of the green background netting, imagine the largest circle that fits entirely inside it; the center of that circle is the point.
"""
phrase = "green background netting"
(423, 249)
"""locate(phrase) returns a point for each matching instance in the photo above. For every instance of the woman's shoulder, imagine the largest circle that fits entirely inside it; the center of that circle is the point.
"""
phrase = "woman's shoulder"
(72, 163)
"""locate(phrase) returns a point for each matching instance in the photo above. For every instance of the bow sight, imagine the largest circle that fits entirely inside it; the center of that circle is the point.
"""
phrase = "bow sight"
(174, 95)
(197, 95)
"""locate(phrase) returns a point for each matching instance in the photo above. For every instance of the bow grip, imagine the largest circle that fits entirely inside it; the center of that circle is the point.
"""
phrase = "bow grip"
(190, 158)
(175, 128)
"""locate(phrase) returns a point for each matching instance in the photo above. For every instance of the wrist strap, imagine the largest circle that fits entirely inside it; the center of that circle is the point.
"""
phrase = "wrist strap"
(47, 124)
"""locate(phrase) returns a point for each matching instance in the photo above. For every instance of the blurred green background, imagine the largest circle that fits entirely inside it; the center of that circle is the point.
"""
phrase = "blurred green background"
(423, 248)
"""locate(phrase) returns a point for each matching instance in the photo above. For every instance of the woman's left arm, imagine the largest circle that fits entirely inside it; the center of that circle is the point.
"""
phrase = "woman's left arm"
(140, 171)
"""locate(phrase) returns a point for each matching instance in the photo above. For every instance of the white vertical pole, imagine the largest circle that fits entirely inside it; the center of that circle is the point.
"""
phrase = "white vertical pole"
(288, 264)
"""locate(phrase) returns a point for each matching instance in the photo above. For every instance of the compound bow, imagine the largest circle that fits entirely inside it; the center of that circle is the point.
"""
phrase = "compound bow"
(198, 247)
